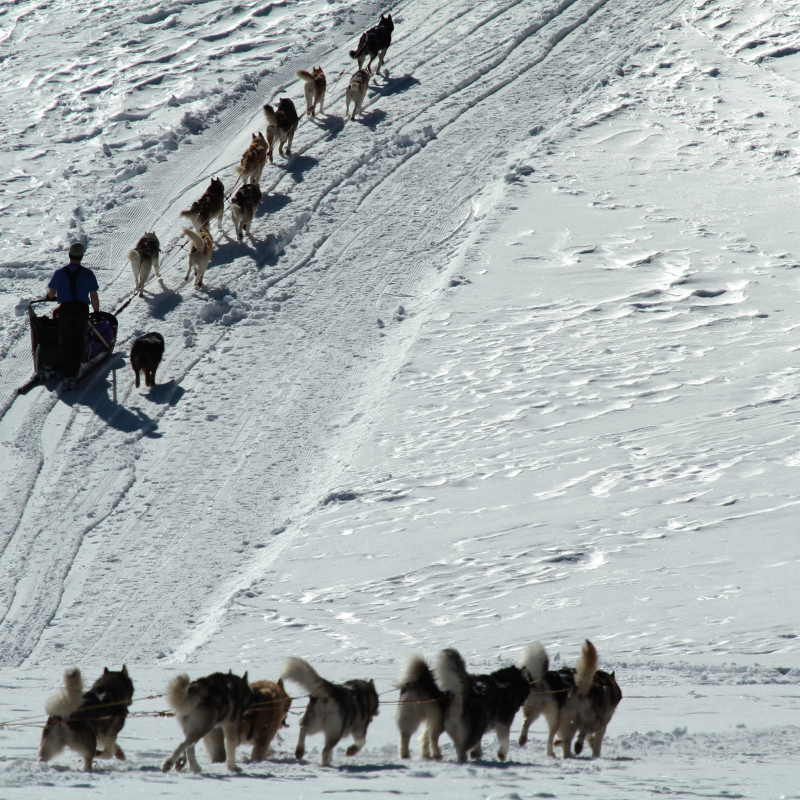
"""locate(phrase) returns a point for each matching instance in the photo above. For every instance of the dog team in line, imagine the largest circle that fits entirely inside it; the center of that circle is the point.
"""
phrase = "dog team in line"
(225, 711)
(282, 122)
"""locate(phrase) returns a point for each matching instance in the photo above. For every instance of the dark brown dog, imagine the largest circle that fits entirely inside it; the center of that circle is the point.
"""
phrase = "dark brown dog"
(209, 206)
(146, 355)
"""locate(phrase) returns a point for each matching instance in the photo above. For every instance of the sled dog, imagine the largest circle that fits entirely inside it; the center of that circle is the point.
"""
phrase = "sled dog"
(216, 701)
(356, 91)
(314, 86)
(87, 722)
(480, 702)
(146, 354)
(281, 125)
(374, 42)
(199, 254)
(589, 706)
(253, 159)
(337, 710)
(142, 258)
(208, 207)
(421, 701)
(243, 208)
(265, 717)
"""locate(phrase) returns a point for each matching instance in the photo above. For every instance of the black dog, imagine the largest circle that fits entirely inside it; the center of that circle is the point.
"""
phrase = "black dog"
(374, 42)
(146, 355)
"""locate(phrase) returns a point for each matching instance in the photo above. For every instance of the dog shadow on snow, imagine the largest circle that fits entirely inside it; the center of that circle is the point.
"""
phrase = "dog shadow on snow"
(398, 85)
(372, 119)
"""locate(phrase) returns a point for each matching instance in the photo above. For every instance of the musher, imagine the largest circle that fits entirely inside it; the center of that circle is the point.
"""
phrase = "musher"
(74, 286)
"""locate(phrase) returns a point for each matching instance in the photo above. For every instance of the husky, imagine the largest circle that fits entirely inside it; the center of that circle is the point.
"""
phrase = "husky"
(281, 125)
(265, 717)
(421, 701)
(216, 701)
(375, 42)
(314, 88)
(146, 354)
(589, 706)
(199, 254)
(87, 722)
(209, 206)
(480, 702)
(335, 709)
(357, 91)
(253, 159)
(243, 208)
(143, 257)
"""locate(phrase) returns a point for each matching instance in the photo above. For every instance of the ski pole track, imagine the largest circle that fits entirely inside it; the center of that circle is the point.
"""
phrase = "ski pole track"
(427, 231)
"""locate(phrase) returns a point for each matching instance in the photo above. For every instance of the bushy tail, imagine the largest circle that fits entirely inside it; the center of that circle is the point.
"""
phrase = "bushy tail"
(178, 696)
(586, 668)
(305, 76)
(269, 113)
(70, 698)
(358, 52)
(535, 661)
(450, 673)
(134, 257)
(197, 240)
(300, 671)
(415, 670)
(238, 169)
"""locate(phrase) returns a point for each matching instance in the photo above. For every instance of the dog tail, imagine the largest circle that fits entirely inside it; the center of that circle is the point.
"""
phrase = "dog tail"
(451, 673)
(358, 51)
(416, 671)
(301, 672)
(134, 257)
(586, 668)
(189, 214)
(269, 113)
(197, 240)
(305, 76)
(535, 661)
(70, 698)
(179, 696)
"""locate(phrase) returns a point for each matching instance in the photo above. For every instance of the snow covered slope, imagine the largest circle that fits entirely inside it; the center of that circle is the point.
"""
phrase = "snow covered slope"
(511, 357)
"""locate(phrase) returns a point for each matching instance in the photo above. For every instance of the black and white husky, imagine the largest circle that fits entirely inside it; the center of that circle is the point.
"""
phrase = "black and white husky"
(335, 709)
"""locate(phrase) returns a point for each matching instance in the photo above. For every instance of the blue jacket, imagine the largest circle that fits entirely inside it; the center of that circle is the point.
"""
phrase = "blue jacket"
(86, 282)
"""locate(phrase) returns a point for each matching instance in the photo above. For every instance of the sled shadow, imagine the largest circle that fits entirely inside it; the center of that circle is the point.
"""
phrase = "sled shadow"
(396, 85)
(372, 119)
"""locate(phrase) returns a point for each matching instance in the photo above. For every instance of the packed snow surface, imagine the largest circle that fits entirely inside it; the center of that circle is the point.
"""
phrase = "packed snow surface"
(512, 356)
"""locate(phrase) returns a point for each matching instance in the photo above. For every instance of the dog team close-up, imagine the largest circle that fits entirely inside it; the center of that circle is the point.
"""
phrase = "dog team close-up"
(226, 711)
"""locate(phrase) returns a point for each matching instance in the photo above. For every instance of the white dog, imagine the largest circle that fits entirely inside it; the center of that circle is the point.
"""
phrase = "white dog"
(199, 254)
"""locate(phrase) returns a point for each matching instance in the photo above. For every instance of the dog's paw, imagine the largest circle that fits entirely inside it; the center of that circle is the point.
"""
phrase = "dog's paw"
(298, 754)
(352, 750)
(166, 766)
(501, 756)
(523, 740)
(233, 768)
(118, 754)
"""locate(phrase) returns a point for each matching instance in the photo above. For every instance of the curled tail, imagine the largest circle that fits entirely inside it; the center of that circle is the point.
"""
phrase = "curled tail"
(415, 670)
(361, 47)
(269, 113)
(197, 241)
(70, 698)
(178, 695)
(301, 672)
(305, 76)
(450, 673)
(586, 668)
(535, 661)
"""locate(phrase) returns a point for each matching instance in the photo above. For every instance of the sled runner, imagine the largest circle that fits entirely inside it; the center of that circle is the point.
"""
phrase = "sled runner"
(101, 336)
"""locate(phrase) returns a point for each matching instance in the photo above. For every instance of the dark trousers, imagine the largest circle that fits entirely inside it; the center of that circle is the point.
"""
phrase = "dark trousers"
(73, 318)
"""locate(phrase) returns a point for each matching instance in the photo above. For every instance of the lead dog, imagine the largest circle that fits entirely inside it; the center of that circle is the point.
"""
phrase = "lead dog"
(281, 125)
(357, 91)
(337, 710)
(251, 165)
(146, 354)
(314, 86)
(216, 701)
(480, 702)
(421, 702)
(87, 722)
(375, 42)
(199, 254)
(243, 208)
(143, 257)
(209, 206)
(589, 706)
(265, 717)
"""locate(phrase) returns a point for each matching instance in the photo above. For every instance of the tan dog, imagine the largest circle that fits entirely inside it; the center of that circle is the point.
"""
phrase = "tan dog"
(253, 159)
(314, 88)
(265, 717)
(357, 91)
(281, 125)
(199, 254)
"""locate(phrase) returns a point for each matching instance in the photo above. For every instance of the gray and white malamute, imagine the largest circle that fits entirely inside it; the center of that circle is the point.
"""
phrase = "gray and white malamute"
(421, 702)
(335, 709)
(480, 702)
(243, 208)
(589, 706)
(143, 257)
(216, 701)
(87, 722)
(356, 91)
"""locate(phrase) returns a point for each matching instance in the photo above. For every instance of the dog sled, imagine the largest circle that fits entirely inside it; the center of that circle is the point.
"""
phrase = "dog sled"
(101, 337)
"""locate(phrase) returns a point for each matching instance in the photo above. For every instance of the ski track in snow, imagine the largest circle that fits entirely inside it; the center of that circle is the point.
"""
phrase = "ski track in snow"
(497, 365)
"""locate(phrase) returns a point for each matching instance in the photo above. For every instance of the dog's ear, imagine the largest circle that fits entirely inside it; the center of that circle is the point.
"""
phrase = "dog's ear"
(372, 683)
(124, 670)
(105, 670)
(280, 682)
(244, 677)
